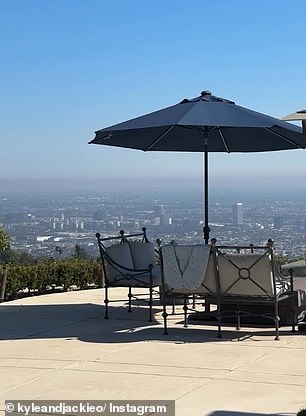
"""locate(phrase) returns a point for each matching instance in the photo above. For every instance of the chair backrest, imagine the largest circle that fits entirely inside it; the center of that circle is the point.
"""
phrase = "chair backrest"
(246, 274)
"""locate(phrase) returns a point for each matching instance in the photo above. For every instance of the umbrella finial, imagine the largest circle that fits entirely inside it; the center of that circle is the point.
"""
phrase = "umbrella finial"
(204, 93)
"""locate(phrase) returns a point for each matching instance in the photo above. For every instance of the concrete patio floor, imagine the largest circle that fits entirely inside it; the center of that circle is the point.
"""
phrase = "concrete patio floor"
(60, 347)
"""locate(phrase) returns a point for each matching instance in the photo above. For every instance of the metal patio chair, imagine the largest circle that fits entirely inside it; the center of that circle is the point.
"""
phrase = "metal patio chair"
(249, 281)
(129, 260)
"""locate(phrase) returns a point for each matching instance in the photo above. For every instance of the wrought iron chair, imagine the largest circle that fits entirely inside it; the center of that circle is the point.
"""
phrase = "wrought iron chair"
(128, 262)
(250, 282)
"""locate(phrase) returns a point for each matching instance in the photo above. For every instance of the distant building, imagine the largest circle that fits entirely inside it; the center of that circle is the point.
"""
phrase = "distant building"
(277, 222)
(162, 216)
(237, 213)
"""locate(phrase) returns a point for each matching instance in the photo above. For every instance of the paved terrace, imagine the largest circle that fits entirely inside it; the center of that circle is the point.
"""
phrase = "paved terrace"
(60, 347)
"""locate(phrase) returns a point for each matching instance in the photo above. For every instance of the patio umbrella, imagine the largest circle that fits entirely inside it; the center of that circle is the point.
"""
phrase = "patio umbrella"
(203, 124)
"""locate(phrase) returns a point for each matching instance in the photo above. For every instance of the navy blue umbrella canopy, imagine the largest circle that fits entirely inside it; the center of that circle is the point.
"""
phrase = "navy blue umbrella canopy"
(203, 124)
(181, 127)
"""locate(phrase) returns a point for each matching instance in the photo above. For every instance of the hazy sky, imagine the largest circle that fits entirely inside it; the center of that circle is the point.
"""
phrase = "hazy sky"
(70, 67)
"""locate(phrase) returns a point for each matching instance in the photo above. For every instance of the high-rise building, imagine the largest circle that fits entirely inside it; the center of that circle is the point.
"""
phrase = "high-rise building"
(277, 222)
(162, 216)
(237, 213)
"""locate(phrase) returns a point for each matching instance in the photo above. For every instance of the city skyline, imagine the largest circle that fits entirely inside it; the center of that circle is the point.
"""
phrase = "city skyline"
(65, 74)
(43, 224)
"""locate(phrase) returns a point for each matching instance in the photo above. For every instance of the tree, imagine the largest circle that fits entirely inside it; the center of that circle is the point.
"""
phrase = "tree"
(26, 258)
(4, 240)
(9, 256)
(59, 250)
(79, 252)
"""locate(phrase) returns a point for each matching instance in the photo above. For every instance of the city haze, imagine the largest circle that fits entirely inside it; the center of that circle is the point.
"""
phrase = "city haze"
(42, 223)
(239, 184)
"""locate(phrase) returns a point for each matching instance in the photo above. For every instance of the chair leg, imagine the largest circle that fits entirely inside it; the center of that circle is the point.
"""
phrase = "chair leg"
(219, 319)
(150, 304)
(238, 326)
(185, 307)
(294, 319)
(276, 328)
(276, 320)
(130, 299)
(106, 302)
(219, 333)
(165, 314)
(173, 304)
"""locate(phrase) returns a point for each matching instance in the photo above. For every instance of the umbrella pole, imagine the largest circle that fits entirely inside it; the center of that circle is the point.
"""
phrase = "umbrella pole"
(206, 228)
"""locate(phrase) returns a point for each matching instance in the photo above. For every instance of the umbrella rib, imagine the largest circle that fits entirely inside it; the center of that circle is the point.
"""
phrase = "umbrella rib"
(159, 138)
(285, 138)
(223, 140)
(199, 129)
(212, 129)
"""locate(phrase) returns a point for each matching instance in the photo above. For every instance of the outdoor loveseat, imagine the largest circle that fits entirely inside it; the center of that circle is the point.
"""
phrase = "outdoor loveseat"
(129, 260)
(240, 280)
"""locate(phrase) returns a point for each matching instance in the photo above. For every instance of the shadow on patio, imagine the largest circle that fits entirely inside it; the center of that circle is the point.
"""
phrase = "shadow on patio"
(85, 321)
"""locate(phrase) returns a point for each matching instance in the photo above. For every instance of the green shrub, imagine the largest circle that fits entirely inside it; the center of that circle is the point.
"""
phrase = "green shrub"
(301, 412)
(37, 278)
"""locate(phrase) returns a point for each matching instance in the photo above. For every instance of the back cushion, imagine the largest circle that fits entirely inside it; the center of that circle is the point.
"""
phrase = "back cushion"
(121, 254)
(142, 254)
(238, 272)
(184, 267)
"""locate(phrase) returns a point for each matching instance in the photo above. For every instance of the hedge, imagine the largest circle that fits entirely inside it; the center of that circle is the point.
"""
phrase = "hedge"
(44, 277)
